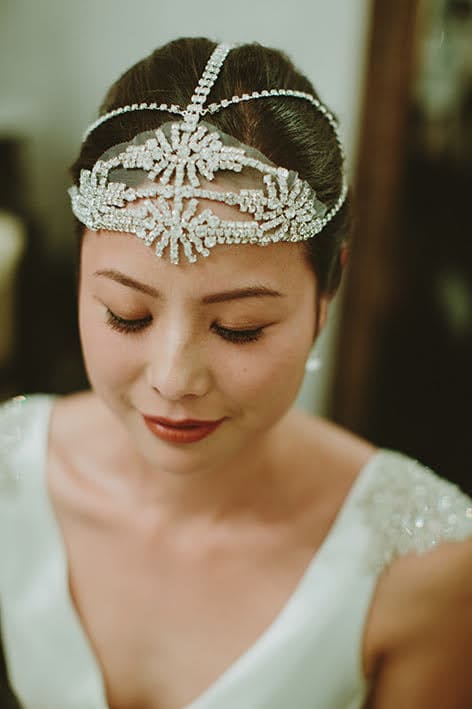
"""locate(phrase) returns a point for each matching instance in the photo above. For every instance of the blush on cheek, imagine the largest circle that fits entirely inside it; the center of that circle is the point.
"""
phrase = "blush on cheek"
(272, 383)
(111, 361)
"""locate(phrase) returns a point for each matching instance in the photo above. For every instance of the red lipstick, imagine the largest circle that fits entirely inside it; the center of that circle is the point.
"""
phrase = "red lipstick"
(182, 431)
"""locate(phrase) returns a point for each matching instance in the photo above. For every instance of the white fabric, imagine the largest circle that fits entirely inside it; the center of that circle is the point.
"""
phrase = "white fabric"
(308, 658)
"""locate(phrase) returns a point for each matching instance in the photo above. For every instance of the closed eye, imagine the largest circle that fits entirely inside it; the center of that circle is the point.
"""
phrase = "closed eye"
(127, 326)
(136, 325)
(239, 336)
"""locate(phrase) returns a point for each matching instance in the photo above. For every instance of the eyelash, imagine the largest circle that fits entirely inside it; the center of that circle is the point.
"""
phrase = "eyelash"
(122, 325)
(239, 337)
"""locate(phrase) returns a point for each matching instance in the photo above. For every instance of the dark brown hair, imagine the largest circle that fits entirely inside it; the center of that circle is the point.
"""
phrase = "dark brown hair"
(289, 131)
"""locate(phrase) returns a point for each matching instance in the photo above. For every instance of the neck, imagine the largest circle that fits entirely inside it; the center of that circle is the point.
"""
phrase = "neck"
(251, 485)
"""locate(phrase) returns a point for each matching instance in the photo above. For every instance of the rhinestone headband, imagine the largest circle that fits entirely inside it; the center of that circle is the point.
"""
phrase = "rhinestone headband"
(165, 170)
(215, 107)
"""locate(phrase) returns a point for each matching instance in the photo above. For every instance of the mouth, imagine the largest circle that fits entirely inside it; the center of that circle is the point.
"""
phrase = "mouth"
(186, 431)
(182, 423)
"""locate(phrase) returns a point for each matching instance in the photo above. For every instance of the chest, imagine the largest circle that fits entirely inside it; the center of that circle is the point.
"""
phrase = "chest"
(166, 619)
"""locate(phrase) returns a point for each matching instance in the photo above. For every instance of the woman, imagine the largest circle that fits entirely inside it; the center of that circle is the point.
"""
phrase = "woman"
(184, 537)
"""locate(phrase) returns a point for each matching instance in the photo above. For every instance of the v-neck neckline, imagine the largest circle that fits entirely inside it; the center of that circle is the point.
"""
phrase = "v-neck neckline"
(79, 640)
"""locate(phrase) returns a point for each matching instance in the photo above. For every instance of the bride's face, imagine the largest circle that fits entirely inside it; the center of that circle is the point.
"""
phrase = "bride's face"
(162, 340)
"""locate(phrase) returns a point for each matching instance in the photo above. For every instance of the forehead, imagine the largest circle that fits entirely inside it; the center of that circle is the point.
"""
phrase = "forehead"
(282, 265)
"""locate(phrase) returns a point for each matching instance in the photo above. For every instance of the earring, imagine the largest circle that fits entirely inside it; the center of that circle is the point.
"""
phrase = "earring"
(313, 362)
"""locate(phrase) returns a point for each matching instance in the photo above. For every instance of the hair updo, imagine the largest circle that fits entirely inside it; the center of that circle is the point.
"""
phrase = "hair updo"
(289, 131)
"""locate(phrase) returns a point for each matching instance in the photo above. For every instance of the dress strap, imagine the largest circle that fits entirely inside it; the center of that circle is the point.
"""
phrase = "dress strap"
(409, 509)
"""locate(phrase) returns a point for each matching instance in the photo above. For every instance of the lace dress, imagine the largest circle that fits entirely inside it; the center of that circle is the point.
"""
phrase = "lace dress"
(310, 655)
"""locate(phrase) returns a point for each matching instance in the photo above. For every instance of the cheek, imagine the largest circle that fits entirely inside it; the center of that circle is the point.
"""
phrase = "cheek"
(110, 360)
(271, 379)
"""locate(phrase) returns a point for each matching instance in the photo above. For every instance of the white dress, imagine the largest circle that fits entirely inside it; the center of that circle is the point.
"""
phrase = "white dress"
(310, 655)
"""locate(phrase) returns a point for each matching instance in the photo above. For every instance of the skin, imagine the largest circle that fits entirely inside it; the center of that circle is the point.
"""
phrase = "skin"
(191, 524)
(206, 516)
(420, 627)
(180, 367)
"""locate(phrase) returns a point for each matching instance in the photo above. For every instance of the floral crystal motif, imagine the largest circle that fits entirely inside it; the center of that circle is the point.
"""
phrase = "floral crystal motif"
(410, 510)
(285, 208)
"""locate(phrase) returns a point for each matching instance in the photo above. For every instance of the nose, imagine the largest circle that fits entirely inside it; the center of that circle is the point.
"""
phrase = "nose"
(177, 370)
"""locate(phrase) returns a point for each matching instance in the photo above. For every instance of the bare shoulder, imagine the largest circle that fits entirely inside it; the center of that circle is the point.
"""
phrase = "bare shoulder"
(75, 415)
(422, 622)
(326, 460)
(80, 423)
(339, 452)
(81, 429)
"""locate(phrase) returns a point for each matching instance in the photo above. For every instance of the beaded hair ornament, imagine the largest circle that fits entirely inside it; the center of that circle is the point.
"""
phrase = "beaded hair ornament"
(167, 171)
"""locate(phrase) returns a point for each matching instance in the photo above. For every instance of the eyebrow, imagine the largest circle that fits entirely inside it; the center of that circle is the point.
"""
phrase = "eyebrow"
(254, 291)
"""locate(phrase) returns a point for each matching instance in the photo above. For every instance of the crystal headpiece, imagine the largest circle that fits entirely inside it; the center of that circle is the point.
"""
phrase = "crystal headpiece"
(167, 172)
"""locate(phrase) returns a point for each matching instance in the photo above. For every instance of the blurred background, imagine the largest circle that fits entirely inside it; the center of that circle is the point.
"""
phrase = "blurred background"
(395, 356)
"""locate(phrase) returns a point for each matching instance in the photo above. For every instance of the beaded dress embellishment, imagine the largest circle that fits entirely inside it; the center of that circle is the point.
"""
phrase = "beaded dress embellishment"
(11, 434)
(410, 510)
(170, 164)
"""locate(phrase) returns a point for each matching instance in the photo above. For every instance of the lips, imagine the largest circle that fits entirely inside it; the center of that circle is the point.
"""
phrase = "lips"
(182, 423)
(187, 430)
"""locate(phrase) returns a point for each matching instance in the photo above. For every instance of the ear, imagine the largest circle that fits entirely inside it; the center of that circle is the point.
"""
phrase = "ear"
(325, 300)
(324, 304)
